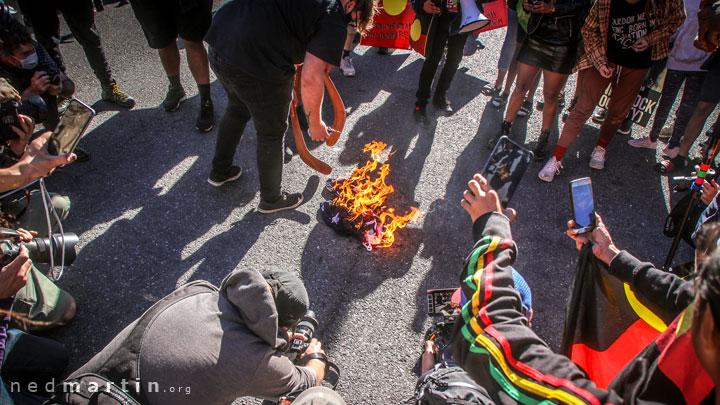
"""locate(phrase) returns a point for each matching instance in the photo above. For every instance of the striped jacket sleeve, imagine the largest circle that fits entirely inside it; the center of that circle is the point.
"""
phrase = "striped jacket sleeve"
(492, 340)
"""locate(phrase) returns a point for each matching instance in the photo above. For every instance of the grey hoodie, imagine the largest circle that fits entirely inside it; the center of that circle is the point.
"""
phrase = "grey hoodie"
(684, 56)
(214, 347)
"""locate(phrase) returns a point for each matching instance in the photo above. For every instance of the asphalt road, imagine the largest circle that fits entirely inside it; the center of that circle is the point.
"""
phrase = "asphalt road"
(148, 220)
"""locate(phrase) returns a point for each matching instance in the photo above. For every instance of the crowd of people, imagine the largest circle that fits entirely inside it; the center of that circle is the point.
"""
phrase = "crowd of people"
(215, 344)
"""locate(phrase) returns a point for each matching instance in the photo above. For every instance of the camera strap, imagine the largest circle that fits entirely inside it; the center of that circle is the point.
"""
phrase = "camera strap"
(332, 371)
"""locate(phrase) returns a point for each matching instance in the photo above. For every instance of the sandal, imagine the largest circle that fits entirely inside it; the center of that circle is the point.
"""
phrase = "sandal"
(490, 90)
(669, 165)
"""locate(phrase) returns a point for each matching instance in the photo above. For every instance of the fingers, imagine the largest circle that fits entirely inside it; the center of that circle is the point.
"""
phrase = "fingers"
(511, 213)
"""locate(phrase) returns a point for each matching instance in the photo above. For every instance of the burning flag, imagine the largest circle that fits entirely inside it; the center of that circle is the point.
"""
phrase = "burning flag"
(358, 207)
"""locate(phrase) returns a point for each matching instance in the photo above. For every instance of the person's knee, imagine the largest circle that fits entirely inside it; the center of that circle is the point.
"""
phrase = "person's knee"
(704, 109)
(194, 46)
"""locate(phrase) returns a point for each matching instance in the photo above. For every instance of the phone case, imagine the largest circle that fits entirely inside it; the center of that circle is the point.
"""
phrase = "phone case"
(62, 146)
(505, 168)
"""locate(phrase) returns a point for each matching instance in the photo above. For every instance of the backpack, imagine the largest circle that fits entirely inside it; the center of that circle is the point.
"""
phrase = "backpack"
(675, 217)
(449, 385)
(103, 386)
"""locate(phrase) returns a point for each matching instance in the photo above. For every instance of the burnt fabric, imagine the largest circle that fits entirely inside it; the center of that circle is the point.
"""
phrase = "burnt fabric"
(493, 343)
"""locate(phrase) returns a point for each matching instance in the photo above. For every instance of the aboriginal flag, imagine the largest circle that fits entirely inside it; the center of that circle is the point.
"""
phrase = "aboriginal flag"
(420, 32)
(625, 346)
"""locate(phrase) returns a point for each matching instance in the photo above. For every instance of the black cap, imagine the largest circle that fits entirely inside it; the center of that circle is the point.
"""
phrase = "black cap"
(291, 298)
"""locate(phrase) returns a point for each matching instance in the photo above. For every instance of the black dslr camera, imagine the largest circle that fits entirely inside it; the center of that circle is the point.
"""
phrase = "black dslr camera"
(8, 119)
(306, 328)
(445, 313)
(38, 248)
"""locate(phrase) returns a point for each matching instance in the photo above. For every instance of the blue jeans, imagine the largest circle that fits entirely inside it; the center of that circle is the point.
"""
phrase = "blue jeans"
(30, 360)
(510, 43)
(268, 104)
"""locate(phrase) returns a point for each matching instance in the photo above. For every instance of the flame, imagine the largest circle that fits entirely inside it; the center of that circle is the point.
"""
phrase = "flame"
(366, 191)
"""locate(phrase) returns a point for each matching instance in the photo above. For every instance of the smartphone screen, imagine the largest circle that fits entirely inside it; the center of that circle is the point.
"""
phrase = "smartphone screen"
(440, 301)
(72, 125)
(582, 203)
(505, 168)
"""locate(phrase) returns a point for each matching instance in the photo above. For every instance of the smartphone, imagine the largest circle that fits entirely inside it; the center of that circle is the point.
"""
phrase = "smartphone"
(440, 302)
(505, 168)
(73, 123)
(583, 206)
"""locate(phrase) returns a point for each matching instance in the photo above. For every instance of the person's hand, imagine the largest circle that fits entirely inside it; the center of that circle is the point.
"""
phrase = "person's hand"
(36, 162)
(606, 71)
(479, 198)
(640, 45)
(39, 83)
(8, 92)
(56, 90)
(543, 7)
(318, 131)
(313, 347)
(27, 127)
(14, 276)
(709, 191)
(602, 244)
(25, 235)
(430, 7)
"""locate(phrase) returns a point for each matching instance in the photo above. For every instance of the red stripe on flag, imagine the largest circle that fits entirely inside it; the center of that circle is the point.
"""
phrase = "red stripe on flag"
(680, 364)
(603, 366)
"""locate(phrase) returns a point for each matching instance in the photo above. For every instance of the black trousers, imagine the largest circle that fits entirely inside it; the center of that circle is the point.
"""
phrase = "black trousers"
(80, 17)
(268, 104)
(436, 44)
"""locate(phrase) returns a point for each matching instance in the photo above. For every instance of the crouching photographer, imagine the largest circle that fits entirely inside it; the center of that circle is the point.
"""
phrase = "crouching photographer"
(204, 345)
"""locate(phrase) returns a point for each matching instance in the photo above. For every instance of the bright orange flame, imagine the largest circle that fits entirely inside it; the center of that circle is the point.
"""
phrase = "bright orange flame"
(365, 190)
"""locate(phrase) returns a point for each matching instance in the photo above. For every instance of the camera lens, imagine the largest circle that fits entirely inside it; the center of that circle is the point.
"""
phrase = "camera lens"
(39, 248)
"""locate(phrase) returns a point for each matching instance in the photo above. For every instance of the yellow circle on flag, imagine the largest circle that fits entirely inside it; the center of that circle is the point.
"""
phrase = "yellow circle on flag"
(415, 30)
(394, 7)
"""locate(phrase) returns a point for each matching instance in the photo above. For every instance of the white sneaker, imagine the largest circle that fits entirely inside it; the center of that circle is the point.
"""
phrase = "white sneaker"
(347, 67)
(597, 159)
(551, 168)
(643, 142)
(666, 131)
(671, 152)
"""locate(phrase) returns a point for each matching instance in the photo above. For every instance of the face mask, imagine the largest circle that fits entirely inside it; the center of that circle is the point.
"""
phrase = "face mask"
(30, 62)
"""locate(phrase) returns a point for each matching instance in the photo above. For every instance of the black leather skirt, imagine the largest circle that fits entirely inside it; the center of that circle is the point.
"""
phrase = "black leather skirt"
(555, 58)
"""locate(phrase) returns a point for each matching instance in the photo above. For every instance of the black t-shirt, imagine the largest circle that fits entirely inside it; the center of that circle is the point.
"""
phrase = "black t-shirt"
(267, 38)
(628, 23)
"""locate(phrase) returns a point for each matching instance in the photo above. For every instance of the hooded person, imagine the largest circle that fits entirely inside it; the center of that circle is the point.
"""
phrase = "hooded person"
(204, 345)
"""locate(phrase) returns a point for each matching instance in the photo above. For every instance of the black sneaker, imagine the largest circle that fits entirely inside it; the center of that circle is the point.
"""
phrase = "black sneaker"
(442, 104)
(174, 97)
(525, 110)
(285, 202)
(626, 127)
(206, 118)
(420, 115)
(114, 94)
(218, 180)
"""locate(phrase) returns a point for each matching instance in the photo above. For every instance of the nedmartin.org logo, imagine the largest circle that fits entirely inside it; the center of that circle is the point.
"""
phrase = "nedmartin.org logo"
(132, 386)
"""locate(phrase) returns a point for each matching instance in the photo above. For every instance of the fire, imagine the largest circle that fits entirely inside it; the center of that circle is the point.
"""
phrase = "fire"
(363, 196)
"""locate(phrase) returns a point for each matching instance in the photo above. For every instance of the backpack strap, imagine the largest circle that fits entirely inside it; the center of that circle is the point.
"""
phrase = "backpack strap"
(124, 363)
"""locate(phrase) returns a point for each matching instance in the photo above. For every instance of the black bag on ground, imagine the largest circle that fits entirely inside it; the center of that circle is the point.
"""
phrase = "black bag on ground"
(449, 385)
(674, 219)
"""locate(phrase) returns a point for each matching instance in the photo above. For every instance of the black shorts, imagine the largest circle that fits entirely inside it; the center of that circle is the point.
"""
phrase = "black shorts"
(710, 91)
(163, 21)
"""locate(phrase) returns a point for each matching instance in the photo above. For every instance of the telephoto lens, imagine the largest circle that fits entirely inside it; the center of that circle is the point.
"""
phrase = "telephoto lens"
(306, 328)
(39, 249)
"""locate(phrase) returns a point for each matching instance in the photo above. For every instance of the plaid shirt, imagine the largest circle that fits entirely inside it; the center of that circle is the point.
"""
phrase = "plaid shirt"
(665, 17)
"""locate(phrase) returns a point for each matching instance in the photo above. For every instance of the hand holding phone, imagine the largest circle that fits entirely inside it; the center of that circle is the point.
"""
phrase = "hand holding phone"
(71, 127)
(505, 168)
(583, 207)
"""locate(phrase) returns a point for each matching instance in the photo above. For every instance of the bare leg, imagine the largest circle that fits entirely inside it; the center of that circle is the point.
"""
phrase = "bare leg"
(525, 76)
(197, 61)
(170, 58)
(553, 83)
